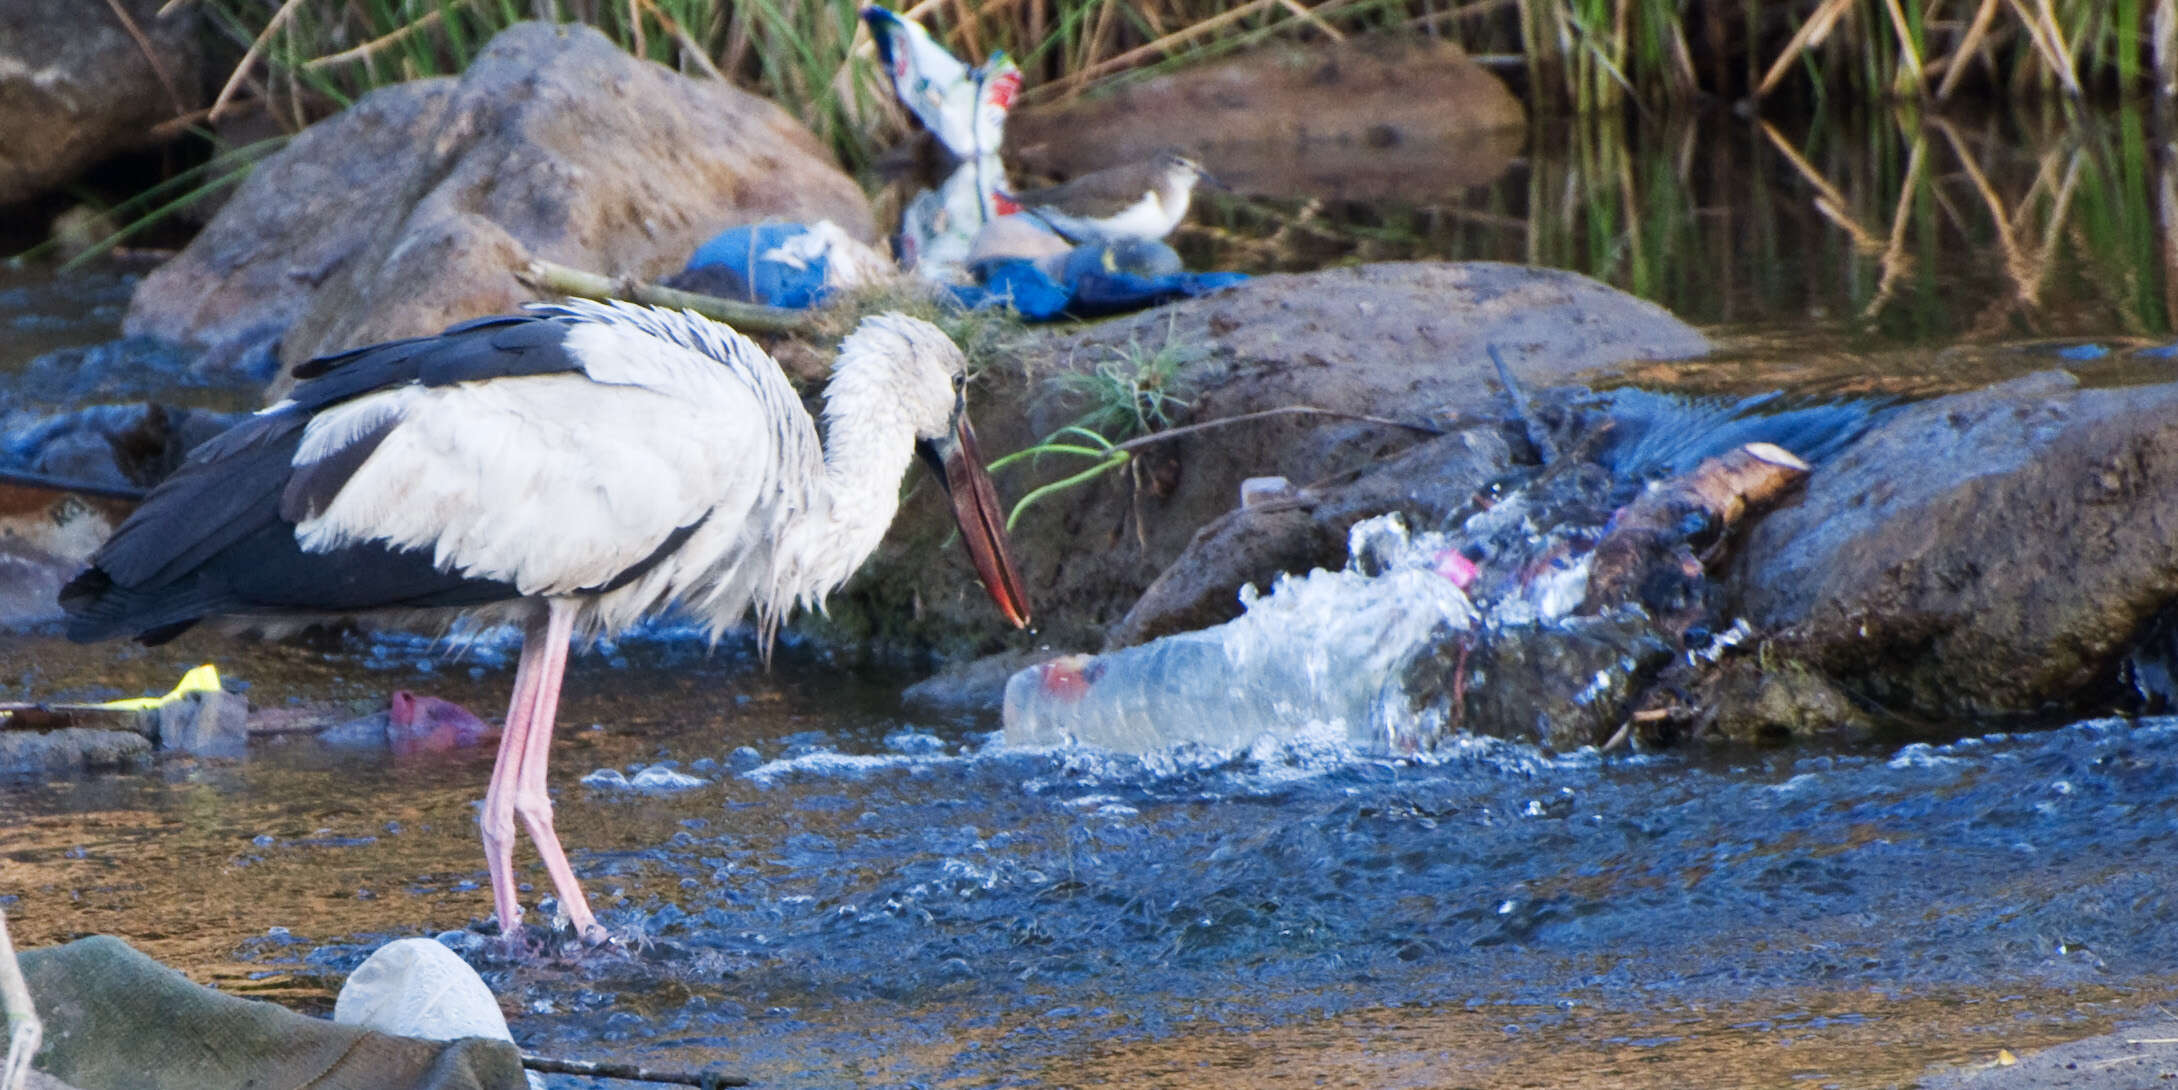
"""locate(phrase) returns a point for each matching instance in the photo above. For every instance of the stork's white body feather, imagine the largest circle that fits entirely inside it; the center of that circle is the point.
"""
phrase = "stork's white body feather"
(571, 470)
(560, 483)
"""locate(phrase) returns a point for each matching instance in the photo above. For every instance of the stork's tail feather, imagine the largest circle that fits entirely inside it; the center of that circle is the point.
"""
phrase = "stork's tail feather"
(100, 609)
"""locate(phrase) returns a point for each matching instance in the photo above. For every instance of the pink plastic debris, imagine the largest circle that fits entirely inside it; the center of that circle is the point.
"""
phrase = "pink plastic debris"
(1454, 565)
(426, 724)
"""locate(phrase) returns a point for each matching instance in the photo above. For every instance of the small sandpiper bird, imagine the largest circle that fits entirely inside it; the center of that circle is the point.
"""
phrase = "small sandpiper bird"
(1139, 200)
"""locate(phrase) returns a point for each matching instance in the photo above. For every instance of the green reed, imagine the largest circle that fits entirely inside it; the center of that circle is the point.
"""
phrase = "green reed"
(311, 57)
(1899, 224)
(813, 57)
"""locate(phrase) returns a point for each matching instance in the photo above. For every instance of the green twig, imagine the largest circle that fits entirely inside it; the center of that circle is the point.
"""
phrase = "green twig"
(561, 279)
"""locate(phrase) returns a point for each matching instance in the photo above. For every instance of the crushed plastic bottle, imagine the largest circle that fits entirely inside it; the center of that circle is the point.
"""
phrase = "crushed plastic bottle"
(1326, 649)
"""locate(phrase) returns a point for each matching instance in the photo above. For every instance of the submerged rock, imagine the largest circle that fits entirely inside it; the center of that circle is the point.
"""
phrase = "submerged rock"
(1559, 686)
(70, 749)
(418, 206)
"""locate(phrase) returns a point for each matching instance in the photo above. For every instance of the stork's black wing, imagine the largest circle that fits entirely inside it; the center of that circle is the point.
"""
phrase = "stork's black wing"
(212, 538)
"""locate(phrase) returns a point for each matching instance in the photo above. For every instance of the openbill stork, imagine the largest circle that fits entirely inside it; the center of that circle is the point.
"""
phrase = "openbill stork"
(570, 469)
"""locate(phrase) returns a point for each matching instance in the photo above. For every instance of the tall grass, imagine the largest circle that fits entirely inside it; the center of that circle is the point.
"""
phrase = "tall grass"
(307, 57)
(303, 59)
(1892, 225)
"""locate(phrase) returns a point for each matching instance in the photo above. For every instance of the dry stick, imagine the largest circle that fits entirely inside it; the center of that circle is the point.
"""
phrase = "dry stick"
(1896, 262)
(564, 280)
(1687, 80)
(2166, 207)
(2056, 33)
(1082, 77)
(706, 1079)
(688, 44)
(151, 56)
(1810, 35)
(1471, 10)
(181, 123)
(249, 56)
(2049, 41)
(1537, 434)
(1304, 14)
(1831, 203)
(24, 1029)
(2059, 209)
(1283, 410)
(2015, 262)
(2163, 30)
(1905, 45)
(356, 53)
(1968, 47)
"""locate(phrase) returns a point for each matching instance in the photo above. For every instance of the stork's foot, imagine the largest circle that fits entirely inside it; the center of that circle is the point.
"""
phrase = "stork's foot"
(494, 937)
(538, 940)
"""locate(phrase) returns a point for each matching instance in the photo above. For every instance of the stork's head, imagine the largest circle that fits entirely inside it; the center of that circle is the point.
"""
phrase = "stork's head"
(930, 379)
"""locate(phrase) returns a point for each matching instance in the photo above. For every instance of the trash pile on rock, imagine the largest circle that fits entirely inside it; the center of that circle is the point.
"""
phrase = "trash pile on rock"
(1090, 247)
(1531, 618)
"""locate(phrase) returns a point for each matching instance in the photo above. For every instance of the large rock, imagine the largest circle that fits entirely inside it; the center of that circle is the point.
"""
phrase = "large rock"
(1985, 553)
(417, 207)
(1371, 119)
(1403, 341)
(77, 87)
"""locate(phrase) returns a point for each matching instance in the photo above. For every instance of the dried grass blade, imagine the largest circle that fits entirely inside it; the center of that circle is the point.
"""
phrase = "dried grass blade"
(1301, 11)
(2164, 29)
(249, 56)
(1969, 47)
(1896, 261)
(688, 45)
(372, 47)
(1907, 47)
(1084, 75)
(151, 56)
(1809, 36)
(2049, 43)
(1830, 201)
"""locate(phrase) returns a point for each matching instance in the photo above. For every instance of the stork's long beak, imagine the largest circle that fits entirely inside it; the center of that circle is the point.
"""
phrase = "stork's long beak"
(959, 467)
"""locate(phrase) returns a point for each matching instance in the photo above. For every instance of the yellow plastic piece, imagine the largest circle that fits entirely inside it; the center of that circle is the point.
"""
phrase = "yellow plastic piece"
(203, 679)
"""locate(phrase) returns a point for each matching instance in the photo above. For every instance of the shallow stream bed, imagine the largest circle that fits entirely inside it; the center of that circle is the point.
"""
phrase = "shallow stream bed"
(867, 896)
(875, 898)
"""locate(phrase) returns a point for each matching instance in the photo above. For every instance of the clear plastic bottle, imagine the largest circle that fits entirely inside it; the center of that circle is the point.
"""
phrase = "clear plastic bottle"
(1327, 649)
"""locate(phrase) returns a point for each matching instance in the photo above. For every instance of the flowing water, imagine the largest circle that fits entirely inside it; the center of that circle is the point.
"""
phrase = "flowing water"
(860, 894)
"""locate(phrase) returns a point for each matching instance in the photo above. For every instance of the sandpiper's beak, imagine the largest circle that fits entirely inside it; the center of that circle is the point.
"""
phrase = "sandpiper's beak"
(1204, 177)
(959, 468)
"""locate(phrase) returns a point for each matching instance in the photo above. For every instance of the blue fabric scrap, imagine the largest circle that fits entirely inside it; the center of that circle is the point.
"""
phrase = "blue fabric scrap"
(732, 265)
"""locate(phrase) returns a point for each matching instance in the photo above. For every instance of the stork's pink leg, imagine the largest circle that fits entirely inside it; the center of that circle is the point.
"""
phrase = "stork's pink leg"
(531, 802)
(518, 787)
(497, 821)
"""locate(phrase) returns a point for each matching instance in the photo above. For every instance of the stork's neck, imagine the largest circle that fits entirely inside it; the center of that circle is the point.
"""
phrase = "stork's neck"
(868, 445)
